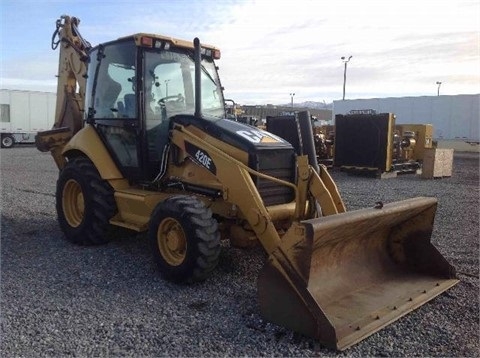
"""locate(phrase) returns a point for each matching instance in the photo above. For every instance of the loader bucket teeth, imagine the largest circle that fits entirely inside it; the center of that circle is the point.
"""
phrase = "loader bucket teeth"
(342, 277)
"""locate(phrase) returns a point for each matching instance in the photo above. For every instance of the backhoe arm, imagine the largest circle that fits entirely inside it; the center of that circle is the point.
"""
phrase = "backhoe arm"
(72, 68)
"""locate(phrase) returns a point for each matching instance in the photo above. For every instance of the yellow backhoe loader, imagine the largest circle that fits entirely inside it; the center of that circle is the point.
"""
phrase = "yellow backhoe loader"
(141, 142)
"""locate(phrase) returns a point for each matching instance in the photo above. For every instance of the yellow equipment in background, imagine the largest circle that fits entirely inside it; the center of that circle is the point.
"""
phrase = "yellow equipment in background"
(324, 138)
(371, 143)
(413, 139)
(141, 142)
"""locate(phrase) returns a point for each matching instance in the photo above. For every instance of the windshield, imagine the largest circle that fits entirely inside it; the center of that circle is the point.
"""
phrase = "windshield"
(170, 85)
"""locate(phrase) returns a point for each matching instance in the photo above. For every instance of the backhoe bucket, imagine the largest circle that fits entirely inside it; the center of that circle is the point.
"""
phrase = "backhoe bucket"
(342, 277)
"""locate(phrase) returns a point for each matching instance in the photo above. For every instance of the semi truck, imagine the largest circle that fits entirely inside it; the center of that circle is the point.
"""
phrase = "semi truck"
(24, 114)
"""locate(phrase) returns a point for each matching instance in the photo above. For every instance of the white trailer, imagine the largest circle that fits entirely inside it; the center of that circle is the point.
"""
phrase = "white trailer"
(23, 114)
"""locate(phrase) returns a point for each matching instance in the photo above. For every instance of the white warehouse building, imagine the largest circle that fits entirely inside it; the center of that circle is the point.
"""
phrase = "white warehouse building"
(455, 119)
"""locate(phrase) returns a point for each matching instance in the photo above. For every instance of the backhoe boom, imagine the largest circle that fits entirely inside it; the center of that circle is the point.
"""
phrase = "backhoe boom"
(71, 84)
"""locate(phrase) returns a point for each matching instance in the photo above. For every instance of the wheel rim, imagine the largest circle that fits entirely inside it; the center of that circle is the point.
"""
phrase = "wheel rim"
(171, 241)
(7, 141)
(73, 203)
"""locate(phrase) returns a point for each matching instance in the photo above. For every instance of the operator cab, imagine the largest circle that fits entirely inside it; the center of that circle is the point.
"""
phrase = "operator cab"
(135, 85)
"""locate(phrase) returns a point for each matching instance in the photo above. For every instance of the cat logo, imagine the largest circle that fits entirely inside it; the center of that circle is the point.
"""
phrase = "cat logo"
(258, 136)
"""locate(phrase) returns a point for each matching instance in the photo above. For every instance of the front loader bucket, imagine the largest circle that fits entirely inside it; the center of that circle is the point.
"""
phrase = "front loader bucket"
(342, 277)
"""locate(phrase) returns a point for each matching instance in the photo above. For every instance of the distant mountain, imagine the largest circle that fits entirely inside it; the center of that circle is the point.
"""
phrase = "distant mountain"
(311, 104)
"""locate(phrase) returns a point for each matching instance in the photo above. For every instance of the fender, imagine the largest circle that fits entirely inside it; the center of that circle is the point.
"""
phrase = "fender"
(89, 143)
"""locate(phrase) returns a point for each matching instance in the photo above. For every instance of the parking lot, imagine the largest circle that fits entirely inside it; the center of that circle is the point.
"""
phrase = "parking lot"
(58, 299)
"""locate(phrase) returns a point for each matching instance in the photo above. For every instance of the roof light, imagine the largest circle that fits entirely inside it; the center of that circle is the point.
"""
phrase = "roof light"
(146, 41)
(215, 53)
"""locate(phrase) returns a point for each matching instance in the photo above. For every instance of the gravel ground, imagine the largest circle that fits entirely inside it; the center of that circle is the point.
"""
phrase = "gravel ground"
(58, 299)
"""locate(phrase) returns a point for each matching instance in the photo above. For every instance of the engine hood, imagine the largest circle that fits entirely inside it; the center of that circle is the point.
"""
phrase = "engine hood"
(267, 154)
(239, 135)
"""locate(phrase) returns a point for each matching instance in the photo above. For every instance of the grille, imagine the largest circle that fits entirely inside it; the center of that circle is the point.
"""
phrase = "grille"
(278, 163)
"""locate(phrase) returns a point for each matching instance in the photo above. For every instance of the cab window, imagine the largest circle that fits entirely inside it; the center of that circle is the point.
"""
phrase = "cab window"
(113, 68)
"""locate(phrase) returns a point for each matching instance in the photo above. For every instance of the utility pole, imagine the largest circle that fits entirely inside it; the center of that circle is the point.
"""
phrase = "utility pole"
(438, 88)
(166, 87)
(345, 61)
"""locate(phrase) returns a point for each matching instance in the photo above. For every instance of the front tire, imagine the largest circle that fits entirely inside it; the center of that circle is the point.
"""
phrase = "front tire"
(85, 203)
(184, 238)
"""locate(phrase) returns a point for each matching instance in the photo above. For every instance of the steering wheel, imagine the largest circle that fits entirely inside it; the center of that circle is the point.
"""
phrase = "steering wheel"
(173, 104)
(176, 98)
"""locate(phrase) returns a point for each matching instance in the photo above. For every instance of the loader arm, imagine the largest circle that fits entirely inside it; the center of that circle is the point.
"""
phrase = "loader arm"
(239, 188)
(71, 85)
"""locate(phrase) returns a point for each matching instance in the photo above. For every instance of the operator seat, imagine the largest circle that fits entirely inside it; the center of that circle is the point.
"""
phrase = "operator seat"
(108, 92)
(130, 111)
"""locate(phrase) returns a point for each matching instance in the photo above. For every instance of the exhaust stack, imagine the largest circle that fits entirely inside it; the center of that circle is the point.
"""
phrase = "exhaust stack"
(198, 75)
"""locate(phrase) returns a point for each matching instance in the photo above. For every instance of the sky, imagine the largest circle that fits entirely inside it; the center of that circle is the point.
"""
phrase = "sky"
(271, 48)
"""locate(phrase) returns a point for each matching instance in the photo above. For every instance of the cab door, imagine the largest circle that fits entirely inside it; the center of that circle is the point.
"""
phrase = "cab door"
(112, 104)
(168, 88)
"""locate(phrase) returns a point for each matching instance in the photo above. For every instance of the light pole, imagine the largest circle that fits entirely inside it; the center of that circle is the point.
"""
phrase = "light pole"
(345, 61)
(438, 88)
(291, 98)
(166, 87)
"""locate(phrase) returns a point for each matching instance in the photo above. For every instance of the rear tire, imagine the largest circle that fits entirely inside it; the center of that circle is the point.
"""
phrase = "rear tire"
(8, 141)
(85, 203)
(184, 238)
